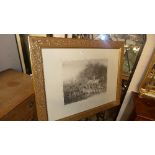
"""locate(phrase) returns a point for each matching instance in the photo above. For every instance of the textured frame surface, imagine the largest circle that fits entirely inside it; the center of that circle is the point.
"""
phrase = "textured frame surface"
(36, 44)
(144, 90)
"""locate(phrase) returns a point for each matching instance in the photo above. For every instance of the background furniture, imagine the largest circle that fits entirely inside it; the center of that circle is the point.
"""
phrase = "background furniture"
(144, 108)
(17, 102)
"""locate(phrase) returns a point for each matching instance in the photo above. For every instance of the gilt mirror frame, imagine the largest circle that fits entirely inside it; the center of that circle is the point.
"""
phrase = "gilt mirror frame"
(36, 44)
(147, 86)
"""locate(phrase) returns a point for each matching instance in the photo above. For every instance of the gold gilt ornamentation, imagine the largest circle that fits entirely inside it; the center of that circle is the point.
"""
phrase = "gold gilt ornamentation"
(147, 86)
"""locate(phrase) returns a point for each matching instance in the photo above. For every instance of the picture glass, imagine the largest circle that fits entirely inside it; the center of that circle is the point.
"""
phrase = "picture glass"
(77, 80)
(84, 79)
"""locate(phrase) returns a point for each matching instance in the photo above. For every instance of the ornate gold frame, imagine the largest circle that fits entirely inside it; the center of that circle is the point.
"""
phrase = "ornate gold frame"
(37, 43)
(145, 89)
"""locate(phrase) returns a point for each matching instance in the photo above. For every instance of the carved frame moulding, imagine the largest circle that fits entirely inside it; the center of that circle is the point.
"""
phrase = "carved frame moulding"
(147, 85)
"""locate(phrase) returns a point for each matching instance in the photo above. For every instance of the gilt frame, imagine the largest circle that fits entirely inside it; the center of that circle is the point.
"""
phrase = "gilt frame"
(36, 44)
(145, 89)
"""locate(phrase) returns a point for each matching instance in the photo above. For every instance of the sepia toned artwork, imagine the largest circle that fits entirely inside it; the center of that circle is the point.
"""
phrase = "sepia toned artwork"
(84, 79)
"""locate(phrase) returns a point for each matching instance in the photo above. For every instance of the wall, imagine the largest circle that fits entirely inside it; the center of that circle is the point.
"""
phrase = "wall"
(148, 50)
(9, 57)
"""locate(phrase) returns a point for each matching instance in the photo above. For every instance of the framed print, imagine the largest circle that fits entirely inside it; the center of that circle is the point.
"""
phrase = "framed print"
(75, 78)
(23, 49)
(147, 86)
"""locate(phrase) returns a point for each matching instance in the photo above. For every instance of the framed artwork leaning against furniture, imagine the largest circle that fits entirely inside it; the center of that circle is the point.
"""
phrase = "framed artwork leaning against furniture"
(147, 86)
(75, 78)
